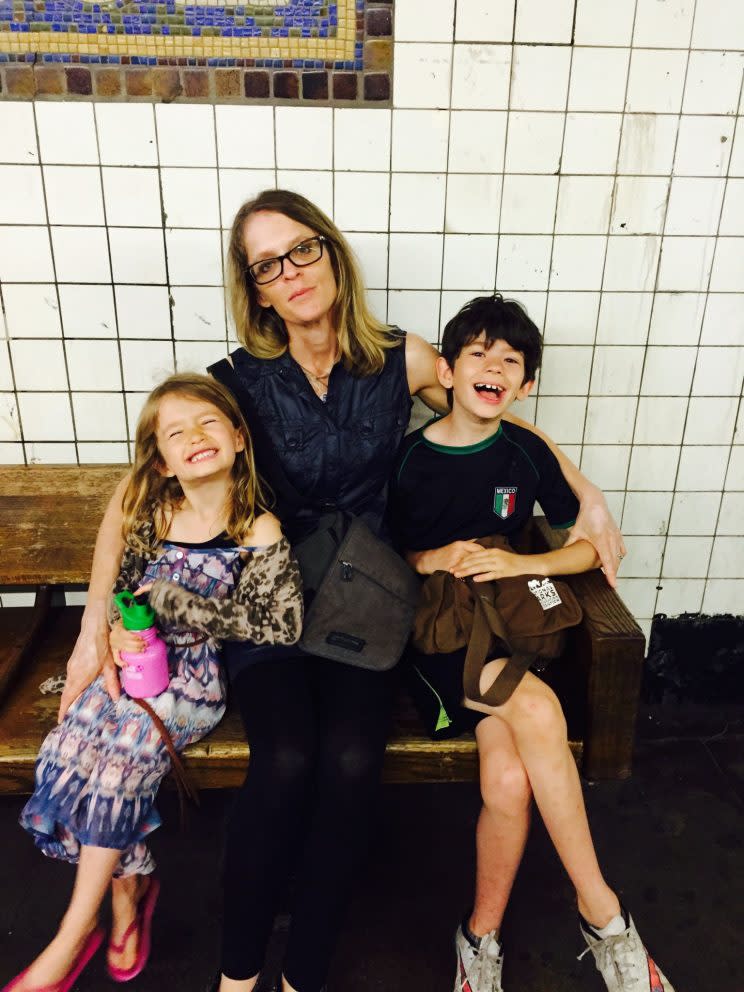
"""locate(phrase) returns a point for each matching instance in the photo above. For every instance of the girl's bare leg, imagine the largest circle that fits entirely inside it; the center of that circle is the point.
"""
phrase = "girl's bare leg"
(94, 871)
(126, 894)
(535, 718)
(503, 823)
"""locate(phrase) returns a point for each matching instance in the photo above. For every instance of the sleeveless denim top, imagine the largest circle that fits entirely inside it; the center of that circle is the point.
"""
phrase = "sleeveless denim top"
(339, 453)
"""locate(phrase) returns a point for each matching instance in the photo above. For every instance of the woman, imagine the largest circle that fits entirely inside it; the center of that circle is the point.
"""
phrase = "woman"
(332, 387)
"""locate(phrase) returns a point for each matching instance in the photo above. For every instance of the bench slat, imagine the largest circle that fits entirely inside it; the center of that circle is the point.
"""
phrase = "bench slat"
(217, 761)
(49, 517)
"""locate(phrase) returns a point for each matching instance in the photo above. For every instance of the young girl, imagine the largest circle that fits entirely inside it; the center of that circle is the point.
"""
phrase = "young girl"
(199, 540)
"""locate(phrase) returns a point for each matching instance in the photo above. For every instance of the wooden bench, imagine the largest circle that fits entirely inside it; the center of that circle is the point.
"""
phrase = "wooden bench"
(49, 516)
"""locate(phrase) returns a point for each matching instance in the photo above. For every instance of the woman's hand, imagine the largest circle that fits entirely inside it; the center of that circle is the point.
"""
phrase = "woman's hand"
(444, 559)
(90, 658)
(487, 564)
(122, 639)
(596, 525)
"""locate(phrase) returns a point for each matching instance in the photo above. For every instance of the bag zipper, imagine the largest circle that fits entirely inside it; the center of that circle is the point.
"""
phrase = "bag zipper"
(347, 573)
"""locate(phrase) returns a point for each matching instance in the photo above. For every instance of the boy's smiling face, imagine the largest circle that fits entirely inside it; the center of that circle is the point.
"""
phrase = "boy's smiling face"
(486, 378)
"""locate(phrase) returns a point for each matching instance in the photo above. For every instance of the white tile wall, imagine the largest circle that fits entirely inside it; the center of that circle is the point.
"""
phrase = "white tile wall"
(585, 156)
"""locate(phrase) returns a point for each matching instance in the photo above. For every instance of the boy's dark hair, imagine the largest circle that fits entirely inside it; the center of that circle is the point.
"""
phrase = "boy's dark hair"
(498, 319)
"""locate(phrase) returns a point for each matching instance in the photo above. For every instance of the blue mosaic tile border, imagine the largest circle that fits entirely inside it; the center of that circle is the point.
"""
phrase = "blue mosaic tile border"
(337, 50)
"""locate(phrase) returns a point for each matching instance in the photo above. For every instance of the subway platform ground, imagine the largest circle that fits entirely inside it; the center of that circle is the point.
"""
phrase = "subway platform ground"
(670, 839)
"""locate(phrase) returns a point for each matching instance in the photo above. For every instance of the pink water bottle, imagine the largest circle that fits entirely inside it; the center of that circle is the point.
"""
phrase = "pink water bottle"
(146, 672)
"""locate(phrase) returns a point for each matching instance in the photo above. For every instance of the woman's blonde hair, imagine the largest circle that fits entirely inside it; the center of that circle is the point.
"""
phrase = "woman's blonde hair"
(151, 497)
(362, 339)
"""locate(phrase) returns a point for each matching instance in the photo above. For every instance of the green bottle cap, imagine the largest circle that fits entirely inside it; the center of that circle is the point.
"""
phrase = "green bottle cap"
(134, 615)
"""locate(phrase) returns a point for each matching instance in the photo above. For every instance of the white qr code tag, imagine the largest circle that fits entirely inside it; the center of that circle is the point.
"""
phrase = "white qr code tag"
(545, 593)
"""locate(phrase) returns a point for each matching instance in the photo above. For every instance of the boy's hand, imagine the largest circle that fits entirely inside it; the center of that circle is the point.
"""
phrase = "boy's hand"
(487, 564)
(444, 559)
(122, 639)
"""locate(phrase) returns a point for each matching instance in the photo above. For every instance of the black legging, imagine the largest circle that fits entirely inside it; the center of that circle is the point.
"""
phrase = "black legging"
(317, 732)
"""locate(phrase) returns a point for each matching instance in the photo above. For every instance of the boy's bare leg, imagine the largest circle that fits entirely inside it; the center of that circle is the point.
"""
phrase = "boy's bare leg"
(95, 868)
(503, 823)
(535, 718)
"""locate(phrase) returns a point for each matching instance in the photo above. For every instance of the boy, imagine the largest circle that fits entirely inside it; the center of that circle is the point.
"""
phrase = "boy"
(467, 476)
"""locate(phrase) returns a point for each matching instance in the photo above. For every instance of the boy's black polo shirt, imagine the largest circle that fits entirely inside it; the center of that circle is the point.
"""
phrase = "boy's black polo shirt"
(441, 494)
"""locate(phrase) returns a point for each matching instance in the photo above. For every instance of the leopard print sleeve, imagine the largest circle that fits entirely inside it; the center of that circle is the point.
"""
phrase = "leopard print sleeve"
(130, 577)
(265, 608)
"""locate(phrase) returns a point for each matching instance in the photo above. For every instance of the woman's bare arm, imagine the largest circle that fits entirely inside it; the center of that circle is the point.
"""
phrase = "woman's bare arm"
(421, 366)
(91, 655)
(594, 523)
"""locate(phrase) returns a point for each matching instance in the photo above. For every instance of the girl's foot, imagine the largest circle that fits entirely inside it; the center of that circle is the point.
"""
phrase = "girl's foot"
(126, 896)
(60, 962)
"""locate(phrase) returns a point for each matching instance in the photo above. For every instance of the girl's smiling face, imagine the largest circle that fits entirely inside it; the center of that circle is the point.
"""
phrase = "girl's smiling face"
(195, 439)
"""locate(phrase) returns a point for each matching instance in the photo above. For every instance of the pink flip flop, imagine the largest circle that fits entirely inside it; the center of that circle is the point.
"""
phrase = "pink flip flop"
(142, 924)
(91, 945)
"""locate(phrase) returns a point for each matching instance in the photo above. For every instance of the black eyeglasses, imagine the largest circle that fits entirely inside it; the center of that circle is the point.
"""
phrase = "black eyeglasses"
(305, 253)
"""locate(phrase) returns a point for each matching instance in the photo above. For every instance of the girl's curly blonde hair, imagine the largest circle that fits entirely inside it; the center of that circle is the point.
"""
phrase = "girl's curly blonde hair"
(151, 497)
(362, 339)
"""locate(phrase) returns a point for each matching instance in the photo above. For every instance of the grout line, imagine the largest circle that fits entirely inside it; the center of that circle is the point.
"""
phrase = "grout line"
(446, 180)
(163, 215)
(53, 259)
(739, 405)
(114, 300)
(507, 118)
(654, 291)
(222, 229)
(704, 291)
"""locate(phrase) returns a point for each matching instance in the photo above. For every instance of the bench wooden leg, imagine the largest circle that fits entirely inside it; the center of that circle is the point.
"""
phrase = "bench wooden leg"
(614, 684)
(22, 642)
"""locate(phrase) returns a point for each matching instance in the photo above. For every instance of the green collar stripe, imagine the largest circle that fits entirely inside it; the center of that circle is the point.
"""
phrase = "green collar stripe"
(467, 449)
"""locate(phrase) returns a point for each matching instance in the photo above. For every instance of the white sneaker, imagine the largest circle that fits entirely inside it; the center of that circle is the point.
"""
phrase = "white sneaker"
(478, 968)
(623, 961)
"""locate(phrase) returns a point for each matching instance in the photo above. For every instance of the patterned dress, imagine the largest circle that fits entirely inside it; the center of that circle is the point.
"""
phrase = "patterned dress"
(98, 772)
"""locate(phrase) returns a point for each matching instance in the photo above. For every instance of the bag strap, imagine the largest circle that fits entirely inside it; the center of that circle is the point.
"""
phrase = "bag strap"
(487, 624)
(184, 784)
(288, 498)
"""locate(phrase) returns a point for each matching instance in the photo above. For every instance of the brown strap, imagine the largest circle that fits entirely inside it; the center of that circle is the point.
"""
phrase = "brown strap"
(186, 788)
(487, 624)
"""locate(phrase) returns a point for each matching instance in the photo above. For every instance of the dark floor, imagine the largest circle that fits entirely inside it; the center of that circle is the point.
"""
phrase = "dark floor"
(670, 839)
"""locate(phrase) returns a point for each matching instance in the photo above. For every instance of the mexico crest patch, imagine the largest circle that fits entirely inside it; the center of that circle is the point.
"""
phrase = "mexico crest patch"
(504, 501)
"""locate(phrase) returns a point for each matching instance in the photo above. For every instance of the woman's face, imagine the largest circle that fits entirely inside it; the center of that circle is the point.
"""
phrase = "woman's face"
(301, 295)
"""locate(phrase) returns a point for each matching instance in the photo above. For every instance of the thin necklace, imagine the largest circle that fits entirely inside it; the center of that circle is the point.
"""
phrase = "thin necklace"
(319, 382)
(312, 375)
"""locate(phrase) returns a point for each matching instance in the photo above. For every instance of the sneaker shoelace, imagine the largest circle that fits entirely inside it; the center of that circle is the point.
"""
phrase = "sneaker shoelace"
(619, 952)
(488, 969)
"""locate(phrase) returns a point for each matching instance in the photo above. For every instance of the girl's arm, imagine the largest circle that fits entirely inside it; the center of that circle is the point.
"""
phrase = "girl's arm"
(594, 523)
(266, 607)
(91, 655)
(487, 564)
